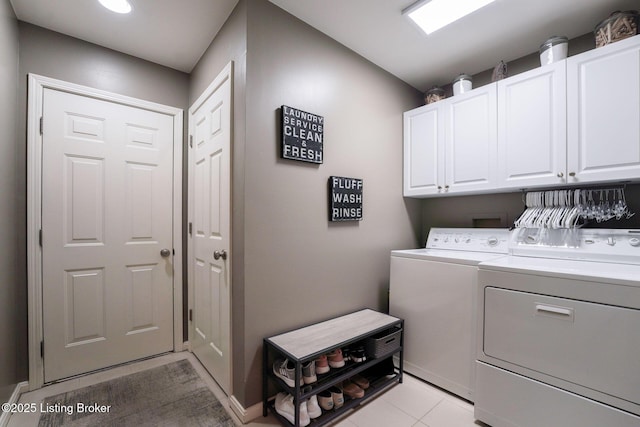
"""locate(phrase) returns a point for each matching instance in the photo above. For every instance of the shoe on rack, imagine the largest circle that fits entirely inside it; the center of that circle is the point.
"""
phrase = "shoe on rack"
(335, 358)
(313, 409)
(286, 370)
(352, 390)
(337, 396)
(346, 353)
(322, 365)
(360, 381)
(325, 400)
(358, 355)
(309, 372)
(284, 406)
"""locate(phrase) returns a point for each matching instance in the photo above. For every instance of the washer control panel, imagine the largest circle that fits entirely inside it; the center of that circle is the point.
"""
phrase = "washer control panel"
(469, 239)
(606, 245)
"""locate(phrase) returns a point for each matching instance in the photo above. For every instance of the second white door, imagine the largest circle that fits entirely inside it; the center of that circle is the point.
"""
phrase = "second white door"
(210, 255)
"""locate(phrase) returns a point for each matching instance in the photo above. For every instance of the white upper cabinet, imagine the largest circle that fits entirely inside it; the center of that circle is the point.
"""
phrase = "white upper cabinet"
(470, 141)
(532, 128)
(603, 99)
(572, 122)
(423, 151)
(449, 146)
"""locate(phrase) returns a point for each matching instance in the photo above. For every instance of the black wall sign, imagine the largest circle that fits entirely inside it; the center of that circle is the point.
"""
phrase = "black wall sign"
(345, 199)
(302, 135)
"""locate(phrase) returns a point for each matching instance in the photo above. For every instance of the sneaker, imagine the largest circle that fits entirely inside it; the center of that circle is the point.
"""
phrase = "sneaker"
(346, 353)
(309, 372)
(337, 396)
(313, 409)
(335, 358)
(322, 366)
(285, 370)
(352, 390)
(325, 399)
(284, 406)
(360, 381)
(358, 355)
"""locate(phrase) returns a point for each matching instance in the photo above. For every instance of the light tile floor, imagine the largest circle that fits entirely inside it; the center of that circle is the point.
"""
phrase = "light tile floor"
(413, 403)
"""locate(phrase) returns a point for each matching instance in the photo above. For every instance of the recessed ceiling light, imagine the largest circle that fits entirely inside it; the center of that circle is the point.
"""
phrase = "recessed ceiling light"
(117, 6)
(435, 14)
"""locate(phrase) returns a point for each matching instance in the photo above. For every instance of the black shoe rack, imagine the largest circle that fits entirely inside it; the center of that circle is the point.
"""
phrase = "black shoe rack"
(379, 333)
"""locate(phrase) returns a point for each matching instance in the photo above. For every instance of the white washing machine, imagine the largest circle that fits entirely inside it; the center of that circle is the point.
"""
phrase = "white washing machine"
(559, 330)
(434, 290)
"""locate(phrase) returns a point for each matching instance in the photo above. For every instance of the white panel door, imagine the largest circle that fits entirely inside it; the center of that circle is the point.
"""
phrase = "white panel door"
(210, 189)
(423, 151)
(603, 88)
(532, 137)
(471, 140)
(107, 212)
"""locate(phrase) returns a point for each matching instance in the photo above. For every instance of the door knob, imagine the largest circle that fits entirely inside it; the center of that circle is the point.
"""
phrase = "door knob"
(220, 254)
(165, 253)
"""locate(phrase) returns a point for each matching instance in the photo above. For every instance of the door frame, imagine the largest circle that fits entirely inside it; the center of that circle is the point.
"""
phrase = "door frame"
(225, 74)
(36, 86)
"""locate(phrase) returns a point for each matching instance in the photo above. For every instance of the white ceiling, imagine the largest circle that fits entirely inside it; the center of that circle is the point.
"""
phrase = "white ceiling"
(175, 33)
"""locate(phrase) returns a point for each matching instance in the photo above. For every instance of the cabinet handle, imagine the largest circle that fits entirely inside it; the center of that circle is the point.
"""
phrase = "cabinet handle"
(572, 174)
(439, 187)
(560, 174)
(446, 187)
(565, 313)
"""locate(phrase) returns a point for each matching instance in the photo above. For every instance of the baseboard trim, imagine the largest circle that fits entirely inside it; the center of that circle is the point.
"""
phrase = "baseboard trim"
(246, 415)
(15, 396)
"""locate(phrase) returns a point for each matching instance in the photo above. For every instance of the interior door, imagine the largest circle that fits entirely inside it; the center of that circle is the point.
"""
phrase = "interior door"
(107, 206)
(210, 190)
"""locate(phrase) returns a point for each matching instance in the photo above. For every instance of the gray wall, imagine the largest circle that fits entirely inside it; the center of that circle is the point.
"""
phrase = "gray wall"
(291, 267)
(298, 267)
(10, 280)
(58, 56)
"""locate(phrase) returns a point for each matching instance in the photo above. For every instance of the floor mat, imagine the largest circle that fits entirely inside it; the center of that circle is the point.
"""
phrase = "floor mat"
(169, 395)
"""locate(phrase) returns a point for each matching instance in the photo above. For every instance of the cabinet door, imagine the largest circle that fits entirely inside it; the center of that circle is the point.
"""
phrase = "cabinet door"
(603, 88)
(423, 151)
(470, 141)
(532, 128)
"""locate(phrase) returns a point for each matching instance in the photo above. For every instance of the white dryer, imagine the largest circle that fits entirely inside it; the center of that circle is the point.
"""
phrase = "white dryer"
(434, 289)
(559, 330)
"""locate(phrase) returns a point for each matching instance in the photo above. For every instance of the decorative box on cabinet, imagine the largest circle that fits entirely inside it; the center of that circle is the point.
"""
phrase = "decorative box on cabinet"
(603, 104)
(305, 344)
(450, 145)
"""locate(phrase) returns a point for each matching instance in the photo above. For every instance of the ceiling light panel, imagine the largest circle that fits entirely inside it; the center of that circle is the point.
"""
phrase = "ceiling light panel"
(435, 14)
(117, 6)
